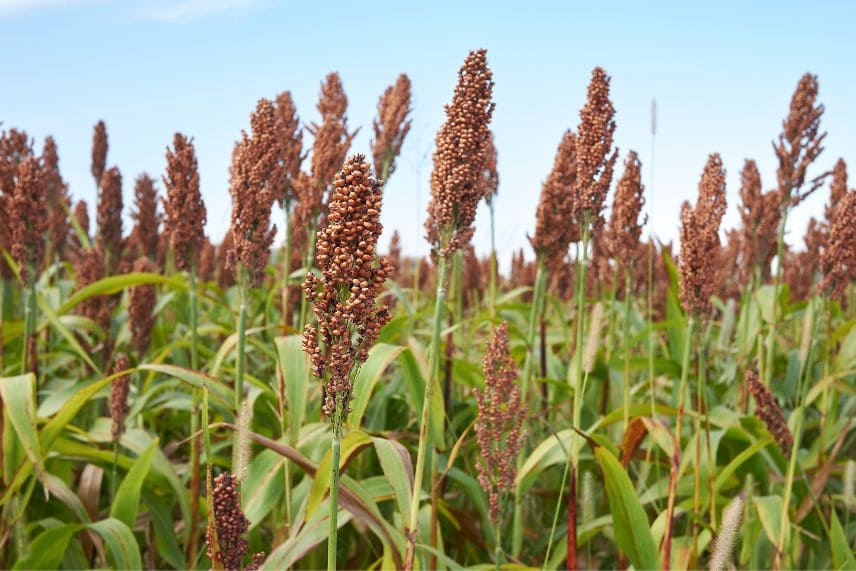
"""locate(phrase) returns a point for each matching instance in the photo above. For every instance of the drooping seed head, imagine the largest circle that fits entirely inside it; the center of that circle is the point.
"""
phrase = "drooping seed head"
(499, 424)
(457, 179)
(700, 239)
(769, 412)
(391, 126)
(185, 210)
(119, 397)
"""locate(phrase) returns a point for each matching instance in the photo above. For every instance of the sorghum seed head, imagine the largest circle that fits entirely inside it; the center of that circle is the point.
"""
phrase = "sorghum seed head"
(58, 200)
(185, 210)
(625, 229)
(700, 239)
(109, 218)
(838, 257)
(141, 307)
(99, 152)
(769, 412)
(28, 217)
(254, 175)
(759, 213)
(119, 397)
(391, 126)
(555, 227)
(290, 138)
(230, 525)
(145, 234)
(457, 179)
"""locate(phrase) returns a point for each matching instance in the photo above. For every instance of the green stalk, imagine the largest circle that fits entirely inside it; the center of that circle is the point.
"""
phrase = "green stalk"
(29, 322)
(682, 389)
(433, 368)
(336, 444)
(242, 338)
(800, 416)
(492, 261)
(537, 297)
(194, 423)
(626, 349)
(286, 268)
(578, 361)
(497, 547)
(780, 252)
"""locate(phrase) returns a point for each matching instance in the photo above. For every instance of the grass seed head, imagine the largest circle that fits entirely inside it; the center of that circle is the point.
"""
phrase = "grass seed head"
(555, 227)
(391, 125)
(769, 412)
(145, 236)
(119, 397)
(109, 218)
(625, 228)
(290, 137)
(759, 214)
(28, 216)
(141, 306)
(58, 199)
(99, 152)
(457, 179)
(228, 549)
(185, 210)
(838, 257)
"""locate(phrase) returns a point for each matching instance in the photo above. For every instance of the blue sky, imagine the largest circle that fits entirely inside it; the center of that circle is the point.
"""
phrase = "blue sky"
(722, 74)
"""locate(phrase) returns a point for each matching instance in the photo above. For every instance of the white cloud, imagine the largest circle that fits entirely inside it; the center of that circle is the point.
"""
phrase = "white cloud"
(19, 6)
(183, 10)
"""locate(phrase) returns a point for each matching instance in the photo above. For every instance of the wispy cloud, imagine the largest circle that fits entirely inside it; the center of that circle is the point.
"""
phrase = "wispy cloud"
(160, 10)
(184, 10)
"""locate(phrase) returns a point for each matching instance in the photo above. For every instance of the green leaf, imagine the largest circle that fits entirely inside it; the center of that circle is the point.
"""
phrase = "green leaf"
(120, 543)
(770, 513)
(294, 365)
(20, 405)
(48, 548)
(380, 356)
(46, 309)
(630, 524)
(263, 486)
(398, 469)
(127, 500)
(413, 366)
(352, 444)
(217, 390)
(842, 555)
(115, 284)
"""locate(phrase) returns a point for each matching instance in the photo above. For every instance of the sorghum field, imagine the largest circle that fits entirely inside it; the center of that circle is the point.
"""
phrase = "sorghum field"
(610, 402)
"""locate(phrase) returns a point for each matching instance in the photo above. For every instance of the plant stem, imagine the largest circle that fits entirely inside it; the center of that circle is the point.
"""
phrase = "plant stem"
(309, 260)
(493, 269)
(626, 342)
(336, 443)
(497, 547)
(579, 385)
(194, 427)
(682, 389)
(286, 267)
(29, 325)
(433, 369)
(780, 252)
(242, 338)
(537, 295)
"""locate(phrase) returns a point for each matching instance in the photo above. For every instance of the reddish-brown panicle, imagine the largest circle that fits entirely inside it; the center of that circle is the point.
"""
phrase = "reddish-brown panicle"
(394, 255)
(119, 408)
(800, 142)
(769, 412)
(457, 182)
(838, 257)
(185, 210)
(58, 200)
(499, 424)
(700, 239)
(837, 190)
(760, 214)
(99, 152)
(555, 227)
(145, 234)
(625, 228)
(15, 147)
(490, 172)
(290, 138)
(352, 276)
(230, 546)
(225, 274)
(391, 126)
(207, 261)
(595, 155)
(109, 218)
(252, 187)
(89, 267)
(81, 216)
(141, 308)
(331, 139)
(28, 217)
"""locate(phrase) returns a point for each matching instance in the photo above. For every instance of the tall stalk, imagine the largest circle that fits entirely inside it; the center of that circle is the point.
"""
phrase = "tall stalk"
(243, 292)
(579, 385)
(433, 370)
(194, 425)
(626, 342)
(682, 389)
(336, 446)
(531, 332)
(493, 269)
(29, 324)
(780, 252)
(286, 267)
